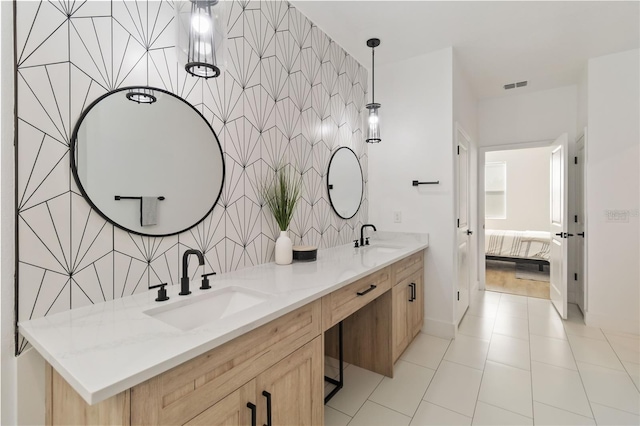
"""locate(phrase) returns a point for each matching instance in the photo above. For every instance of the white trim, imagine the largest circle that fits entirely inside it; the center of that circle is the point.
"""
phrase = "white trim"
(439, 328)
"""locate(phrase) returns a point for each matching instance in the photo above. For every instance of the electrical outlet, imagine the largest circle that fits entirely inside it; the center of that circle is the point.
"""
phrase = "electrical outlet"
(397, 217)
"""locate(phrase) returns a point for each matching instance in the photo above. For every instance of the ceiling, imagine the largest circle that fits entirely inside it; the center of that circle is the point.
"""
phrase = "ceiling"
(498, 42)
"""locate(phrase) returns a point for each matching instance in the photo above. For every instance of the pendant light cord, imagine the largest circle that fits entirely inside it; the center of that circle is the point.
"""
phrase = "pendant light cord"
(373, 76)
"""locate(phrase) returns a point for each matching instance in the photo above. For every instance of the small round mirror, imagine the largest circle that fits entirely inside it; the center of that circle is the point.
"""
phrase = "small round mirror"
(345, 183)
(147, 161)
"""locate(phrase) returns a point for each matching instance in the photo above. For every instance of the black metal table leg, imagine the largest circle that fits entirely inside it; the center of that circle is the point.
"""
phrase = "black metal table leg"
(340, 382)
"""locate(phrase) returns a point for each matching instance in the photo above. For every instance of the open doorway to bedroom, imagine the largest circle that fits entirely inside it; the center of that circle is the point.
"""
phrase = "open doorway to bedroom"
(517, 238)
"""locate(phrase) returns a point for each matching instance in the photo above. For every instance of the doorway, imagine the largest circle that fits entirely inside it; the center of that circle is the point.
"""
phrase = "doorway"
(517, 240)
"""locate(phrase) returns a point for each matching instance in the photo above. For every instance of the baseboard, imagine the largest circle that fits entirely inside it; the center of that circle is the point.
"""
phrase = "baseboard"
(611, 323)
(439, 328)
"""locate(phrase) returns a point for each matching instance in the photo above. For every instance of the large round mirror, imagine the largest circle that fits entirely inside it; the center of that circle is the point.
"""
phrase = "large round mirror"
(344, 182)
(147, 161)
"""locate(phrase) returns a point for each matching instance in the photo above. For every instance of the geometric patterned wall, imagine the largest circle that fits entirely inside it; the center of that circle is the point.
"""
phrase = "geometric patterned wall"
(288, 92)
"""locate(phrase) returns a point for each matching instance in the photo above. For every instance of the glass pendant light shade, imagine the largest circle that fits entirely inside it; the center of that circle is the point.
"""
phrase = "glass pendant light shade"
(141, 95)
(201, 37)
(373, 123)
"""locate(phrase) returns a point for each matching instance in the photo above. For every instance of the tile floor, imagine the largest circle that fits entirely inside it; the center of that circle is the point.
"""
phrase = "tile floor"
(514, 362)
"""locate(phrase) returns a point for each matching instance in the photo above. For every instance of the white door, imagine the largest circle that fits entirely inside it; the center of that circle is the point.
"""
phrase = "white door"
(580, 219)
(559, 225)
(463, 231)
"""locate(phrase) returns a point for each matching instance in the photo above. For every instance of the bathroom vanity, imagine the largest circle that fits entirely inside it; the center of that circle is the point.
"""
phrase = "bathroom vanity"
(259, 361)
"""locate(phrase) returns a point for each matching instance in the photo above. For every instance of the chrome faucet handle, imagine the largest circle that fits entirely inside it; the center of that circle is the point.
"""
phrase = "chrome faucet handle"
(205, 281)
(162, 292)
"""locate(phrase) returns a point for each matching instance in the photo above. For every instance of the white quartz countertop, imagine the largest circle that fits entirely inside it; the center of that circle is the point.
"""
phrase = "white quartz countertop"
(104, 349)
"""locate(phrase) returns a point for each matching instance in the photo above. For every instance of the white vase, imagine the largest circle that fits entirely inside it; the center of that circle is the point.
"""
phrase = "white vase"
(284, 249)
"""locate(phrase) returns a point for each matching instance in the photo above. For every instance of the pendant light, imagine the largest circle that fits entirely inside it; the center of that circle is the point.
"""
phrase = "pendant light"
(201, 37)
(373, 132)
(141, 95)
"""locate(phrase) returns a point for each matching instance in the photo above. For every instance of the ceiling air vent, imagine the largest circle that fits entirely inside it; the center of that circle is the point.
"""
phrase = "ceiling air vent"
(514, 85)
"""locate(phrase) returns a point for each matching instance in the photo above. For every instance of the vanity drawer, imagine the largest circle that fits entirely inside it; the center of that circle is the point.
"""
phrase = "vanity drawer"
(347, 300)
(407, 267)
(185, 391)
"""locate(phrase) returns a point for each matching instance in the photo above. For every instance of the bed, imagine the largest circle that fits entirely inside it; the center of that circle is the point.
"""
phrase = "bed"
(532, 247)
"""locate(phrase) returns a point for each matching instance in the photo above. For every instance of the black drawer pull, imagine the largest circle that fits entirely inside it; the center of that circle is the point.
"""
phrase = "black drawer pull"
(412, 286)
(268, 396)
(362, 293)
(252, 407)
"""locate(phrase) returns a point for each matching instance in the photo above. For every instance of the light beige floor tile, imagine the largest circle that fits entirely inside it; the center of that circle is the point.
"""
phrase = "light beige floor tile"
(579, 329)
(426, 350)
(507, 387)
(510, 326)
(455, 387)
(627, 348)
(490, 415)
(607, 416)
(359, 384)
(480, 327)
(546, 415)
(513, 309)
(609, 387)
(552, 351)
(509, 350)
(609, 332)
(372, 414)
(634, 371)
(512, 298)
(404, 392)
(429, 414)
(487, 296)
(468, 351)
(547, 327)
(483, 309)
(593, 351)
(560, 388)
(334, 417)
(543, 308)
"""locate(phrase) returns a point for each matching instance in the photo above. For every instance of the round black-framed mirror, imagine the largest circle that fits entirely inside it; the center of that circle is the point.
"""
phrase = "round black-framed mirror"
(345, 182)
(153, 168)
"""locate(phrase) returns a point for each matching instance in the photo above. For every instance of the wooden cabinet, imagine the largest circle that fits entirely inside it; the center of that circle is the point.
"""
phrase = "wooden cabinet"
(233, 410)
(293, 389)
(408, 302)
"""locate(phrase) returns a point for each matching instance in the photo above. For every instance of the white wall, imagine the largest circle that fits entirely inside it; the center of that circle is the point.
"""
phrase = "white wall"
(527, 189)
(416, 123)
(530, 117)
(613, 183)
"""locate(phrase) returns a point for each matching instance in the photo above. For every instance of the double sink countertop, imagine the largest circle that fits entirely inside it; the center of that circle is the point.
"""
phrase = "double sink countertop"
(106, 348)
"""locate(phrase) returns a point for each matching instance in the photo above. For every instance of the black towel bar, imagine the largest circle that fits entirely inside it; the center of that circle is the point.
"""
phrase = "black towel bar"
(416, 183)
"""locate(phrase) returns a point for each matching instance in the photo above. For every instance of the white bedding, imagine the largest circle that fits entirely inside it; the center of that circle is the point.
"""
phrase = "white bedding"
(519, 244)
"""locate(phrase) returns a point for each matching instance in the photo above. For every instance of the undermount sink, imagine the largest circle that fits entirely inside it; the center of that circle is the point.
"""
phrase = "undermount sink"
(196, 311)
(381, 248)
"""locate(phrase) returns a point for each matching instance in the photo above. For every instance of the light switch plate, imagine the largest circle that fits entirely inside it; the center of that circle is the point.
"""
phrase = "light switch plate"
(397, 217)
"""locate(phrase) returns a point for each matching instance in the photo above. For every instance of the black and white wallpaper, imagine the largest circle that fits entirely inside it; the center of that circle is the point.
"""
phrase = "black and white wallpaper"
(288, 92)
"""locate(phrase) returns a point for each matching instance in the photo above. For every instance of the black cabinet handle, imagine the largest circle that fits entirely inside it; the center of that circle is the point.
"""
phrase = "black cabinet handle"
(268, 396)
(412, 297)
(362, 293)
(581, 234)
(252, 407)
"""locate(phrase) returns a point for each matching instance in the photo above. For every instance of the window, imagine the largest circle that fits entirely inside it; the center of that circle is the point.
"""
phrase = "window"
(495, 190)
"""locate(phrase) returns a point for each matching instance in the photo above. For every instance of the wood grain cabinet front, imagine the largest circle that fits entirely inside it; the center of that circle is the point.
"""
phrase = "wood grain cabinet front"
(408, 302)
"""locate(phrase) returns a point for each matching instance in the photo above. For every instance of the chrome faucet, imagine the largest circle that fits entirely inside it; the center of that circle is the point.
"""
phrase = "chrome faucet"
(362, 232)
(184, 281)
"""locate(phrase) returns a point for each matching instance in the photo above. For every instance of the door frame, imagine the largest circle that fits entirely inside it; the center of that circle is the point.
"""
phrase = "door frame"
(468, 143)
(482, 151)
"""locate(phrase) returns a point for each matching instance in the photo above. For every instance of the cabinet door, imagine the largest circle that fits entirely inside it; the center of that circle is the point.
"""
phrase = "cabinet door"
(416, 308)
(292, 390)
(401, 327)
(232, 410)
